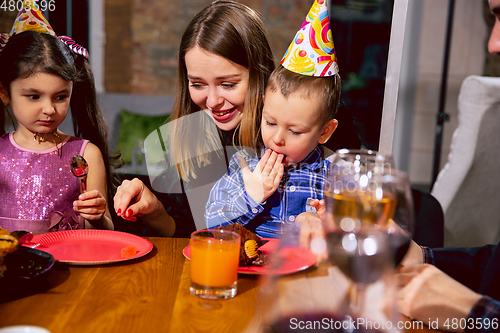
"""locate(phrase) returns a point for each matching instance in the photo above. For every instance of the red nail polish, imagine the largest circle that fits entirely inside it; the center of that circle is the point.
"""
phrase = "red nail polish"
(130, 212)
(119, 211)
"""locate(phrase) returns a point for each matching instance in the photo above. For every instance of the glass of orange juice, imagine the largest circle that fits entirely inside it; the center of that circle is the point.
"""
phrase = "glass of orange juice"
(214, 263)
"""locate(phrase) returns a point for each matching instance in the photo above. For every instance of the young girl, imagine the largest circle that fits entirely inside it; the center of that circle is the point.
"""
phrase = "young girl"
(40, 79)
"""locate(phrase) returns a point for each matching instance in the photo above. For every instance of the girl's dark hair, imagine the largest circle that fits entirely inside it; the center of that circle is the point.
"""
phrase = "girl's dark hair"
(31, 52)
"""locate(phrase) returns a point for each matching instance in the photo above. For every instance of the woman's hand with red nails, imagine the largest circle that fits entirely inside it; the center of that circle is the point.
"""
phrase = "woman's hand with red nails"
(133, 199)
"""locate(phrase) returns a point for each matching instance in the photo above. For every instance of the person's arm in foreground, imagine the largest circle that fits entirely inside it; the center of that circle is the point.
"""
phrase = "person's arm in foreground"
(133, 199)
(427, 293)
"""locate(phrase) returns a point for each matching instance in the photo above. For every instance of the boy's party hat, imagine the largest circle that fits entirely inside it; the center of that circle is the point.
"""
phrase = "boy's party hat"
(31, 18)
(311, 51)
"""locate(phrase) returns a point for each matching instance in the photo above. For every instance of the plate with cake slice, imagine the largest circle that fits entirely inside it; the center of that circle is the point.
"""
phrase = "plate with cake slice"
(255, 252)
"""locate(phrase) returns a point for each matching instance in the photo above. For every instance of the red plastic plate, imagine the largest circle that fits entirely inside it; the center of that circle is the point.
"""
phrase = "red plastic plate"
(89, 246)
(293, 259)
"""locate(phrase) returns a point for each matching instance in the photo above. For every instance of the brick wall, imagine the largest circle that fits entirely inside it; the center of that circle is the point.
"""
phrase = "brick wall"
(143, 36)
(157, 27)
(117, 59)
(6, 20)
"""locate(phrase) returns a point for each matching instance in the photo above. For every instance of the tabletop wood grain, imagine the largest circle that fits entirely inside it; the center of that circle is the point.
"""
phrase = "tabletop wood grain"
(149, 294)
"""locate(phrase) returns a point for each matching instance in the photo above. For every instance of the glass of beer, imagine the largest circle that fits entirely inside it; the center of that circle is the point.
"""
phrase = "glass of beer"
(365, 191)
(360, 205)
(356, 193)
(214, 263)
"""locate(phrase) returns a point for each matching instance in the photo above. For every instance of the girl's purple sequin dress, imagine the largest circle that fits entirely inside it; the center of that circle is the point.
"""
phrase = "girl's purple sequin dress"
(37, 188)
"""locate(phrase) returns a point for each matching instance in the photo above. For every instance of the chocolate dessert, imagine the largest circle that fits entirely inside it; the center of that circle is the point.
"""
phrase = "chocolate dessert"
(250, 243)
(8, 244)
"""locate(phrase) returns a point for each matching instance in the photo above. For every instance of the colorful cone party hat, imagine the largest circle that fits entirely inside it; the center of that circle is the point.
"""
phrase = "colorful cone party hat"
(31, 18)
(312, 51)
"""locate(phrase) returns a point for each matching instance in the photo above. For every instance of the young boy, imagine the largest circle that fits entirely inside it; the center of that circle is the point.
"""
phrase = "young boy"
(261, 195)
(300, 103)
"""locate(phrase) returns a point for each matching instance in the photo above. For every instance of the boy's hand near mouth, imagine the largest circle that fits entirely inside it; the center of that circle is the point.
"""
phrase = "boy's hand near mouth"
(264, 180)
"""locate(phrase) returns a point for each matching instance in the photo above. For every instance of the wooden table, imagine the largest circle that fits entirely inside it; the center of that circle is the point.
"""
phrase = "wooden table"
(150, 294)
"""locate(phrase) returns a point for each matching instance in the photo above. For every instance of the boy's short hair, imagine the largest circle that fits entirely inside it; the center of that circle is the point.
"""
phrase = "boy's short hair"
(327, 89)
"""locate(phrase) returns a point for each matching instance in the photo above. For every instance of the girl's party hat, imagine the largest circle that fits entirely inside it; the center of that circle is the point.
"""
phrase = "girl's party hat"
(31, 18)
(311, 51)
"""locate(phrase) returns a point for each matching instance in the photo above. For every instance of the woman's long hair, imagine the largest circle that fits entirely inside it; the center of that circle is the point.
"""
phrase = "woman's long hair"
(235, 32)
(31, 52)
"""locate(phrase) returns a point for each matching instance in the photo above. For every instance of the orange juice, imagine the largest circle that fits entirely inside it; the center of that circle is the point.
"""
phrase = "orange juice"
(214, 264)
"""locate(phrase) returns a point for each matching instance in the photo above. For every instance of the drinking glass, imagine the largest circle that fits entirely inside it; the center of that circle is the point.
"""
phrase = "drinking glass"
(363, 257)
(364, 190)
(355, 194)
(214, 263)
(401, 225)
(318, 300)
(365, 199)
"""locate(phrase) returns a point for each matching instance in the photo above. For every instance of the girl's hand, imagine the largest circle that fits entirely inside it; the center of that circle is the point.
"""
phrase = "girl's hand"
(265, 179)
(133, 198)
(91, 205)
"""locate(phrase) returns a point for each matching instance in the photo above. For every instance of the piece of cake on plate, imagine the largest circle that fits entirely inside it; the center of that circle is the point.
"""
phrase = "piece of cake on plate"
(8, 244)
(250, 243)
